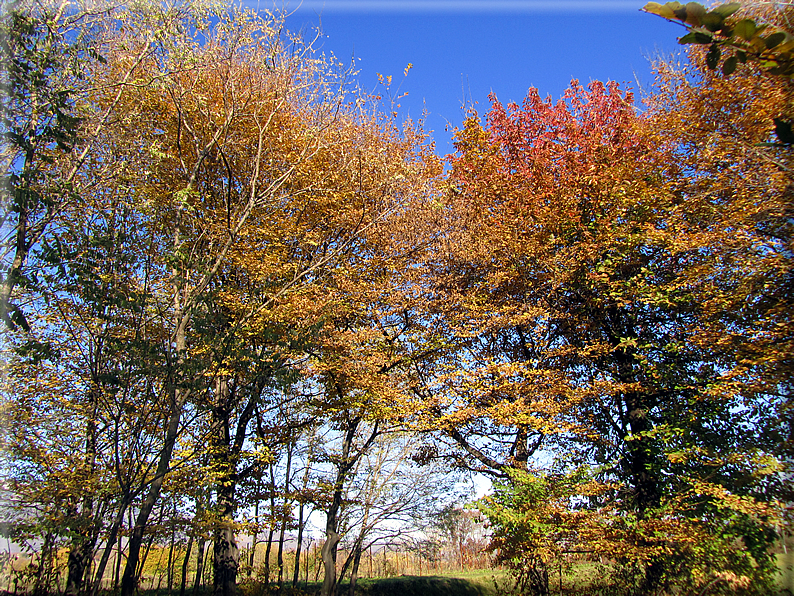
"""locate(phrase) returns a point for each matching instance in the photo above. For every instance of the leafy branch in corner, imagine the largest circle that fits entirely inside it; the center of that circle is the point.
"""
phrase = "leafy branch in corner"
(747, 40)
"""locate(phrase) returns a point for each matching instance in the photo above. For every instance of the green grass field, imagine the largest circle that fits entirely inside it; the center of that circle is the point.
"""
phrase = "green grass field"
(785, 563)
(466, 583)
(473, 583)
(581, 580)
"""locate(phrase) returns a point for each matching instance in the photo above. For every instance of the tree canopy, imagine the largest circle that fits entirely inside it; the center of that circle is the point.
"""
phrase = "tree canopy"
(235, 291)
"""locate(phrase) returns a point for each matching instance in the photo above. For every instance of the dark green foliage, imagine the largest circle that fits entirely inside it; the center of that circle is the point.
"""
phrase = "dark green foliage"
(784, 132)
(39, 124)
(772, 48)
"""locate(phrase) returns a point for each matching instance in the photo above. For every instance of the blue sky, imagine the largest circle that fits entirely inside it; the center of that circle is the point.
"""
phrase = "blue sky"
(461, 50)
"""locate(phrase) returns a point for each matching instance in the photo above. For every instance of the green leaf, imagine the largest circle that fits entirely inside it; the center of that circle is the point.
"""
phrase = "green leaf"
(726, 10)
(696, 37)
(703, 37)
(19, 319)
(713, 57)
(679, 10)
(653, 8)
(745, 29)
(757, 43)
(688, 38)
(694, 13)
(712, 21)
(729, 65)
(664, 11)
(785, 48)
(774, 40)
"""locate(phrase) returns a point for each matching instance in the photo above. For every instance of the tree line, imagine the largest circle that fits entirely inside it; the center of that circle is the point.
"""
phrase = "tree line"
(236, 290)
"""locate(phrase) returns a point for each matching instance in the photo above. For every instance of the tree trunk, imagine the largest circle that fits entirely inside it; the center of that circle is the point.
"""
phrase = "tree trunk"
(348, 564)
(111, 542)
(171, 562)
(148, 549)
(40, 588)
(640, 455)
(645, 486)
(301, 523)
(199, 562)
(83, 542)
(280, 553)
(226, 558)
(354, 571)
(328, 554)
(129, 581)
(200, 542)
(332, 537)
(282, 530)
(646, 489)
(345, 464)
(185, 563)
(298, 546)
(14, 273)
(255, 537)
(117, 572)
(267, 554)
(177, 398)
(79, 556)
(272, 517)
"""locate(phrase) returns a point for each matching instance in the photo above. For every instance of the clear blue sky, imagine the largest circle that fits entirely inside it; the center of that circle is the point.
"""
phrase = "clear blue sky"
(461, 50)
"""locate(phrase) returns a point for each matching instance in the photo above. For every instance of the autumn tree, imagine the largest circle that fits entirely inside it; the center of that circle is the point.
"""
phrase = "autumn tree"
(91, 306)
(252, 182)
(50, 127)
(574, 277)
(357, 402)
(348, 187)
(39, 121)
(746, 119)
(389, 499)
(243, 170)
(70, 281)
(739, 161)
(362, 371)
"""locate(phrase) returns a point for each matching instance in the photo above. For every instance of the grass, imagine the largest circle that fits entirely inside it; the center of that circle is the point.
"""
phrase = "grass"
(582, 578)
(470, 583)
(785, 578)
(434, 585)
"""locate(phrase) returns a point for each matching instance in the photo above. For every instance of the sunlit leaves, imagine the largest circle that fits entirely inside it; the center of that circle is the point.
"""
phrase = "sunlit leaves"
(598, 266)
(694, 14)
